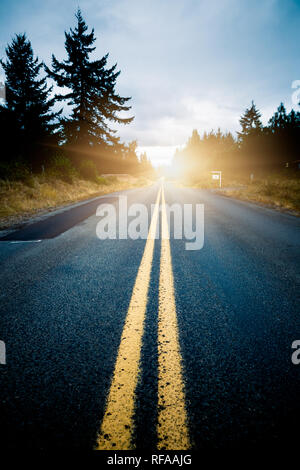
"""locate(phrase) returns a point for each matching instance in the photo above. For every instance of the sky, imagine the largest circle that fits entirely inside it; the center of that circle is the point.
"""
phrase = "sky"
(187, 64)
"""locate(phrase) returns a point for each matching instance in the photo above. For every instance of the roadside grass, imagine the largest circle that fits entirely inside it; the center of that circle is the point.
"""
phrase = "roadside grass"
(276, 191)
(20, 200)
(279, 190)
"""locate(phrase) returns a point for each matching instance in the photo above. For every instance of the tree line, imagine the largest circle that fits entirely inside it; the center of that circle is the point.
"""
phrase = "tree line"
(34, 135)
(256, 148)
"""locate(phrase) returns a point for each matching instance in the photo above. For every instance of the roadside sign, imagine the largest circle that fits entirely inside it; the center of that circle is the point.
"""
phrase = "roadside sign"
(217, 175)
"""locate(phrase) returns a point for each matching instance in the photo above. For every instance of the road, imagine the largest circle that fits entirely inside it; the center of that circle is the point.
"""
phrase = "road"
(116, 344)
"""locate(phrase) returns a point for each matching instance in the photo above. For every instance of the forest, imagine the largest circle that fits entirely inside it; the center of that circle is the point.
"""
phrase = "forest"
(256, 148)
(68, 132)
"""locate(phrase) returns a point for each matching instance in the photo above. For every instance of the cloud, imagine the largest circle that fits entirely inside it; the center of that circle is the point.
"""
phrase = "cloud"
(187, 64)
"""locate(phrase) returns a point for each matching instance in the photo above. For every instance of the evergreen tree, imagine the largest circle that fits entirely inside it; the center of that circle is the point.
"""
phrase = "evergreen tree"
(146, 167)
(279, 120)
(27, 107)
(283, 136)
(194, 141)
(92, 93)
(131, 158)
(294, 119)
(250, 122)
(250, 139)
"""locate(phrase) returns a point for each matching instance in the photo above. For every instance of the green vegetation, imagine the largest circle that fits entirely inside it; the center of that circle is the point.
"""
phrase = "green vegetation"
(77, 140)
(49, 157)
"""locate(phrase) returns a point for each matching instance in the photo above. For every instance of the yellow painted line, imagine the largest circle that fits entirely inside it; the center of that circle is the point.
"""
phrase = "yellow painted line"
(117, 425)
(172, 429)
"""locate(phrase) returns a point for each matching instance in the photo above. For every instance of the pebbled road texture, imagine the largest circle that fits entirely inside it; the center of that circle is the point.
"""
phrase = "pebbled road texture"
(63, 306)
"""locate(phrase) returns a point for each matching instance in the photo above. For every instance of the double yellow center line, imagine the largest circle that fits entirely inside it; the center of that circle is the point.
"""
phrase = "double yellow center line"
(117, 428)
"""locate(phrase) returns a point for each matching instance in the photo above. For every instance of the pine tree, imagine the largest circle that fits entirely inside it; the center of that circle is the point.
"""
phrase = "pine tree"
(283, 136)
(93, 98)
(294, 119)
(250, 122)
(279, 120)
(131, 158)
(146, 167)
(27, 106)
(194, 141)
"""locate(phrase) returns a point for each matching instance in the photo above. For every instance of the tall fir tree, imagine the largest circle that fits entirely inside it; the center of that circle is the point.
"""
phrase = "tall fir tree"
(92, 94)
(250, 122)
(250, 139)
(145, 166)
(279, 120)
(283, 136)
(27, 108)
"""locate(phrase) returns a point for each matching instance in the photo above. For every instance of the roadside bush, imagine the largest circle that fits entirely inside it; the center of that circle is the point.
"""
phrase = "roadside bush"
(112, 179)
(102, 181)
(30, 181)
(62, 168)
(88, 170)
(16, 171)
(266, 188)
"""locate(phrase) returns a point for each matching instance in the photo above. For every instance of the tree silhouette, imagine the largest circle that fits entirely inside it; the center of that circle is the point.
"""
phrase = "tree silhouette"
(146, 165)
(214, 151)
(27, 108)
(279, 120)
(283, 136)
(92, 94)
(250, 122)
(250, 138)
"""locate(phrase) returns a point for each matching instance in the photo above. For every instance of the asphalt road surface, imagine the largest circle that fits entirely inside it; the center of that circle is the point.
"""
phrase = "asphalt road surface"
(116, 344)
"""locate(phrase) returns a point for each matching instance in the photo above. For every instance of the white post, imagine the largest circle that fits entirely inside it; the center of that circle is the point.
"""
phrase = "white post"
(217, 175)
